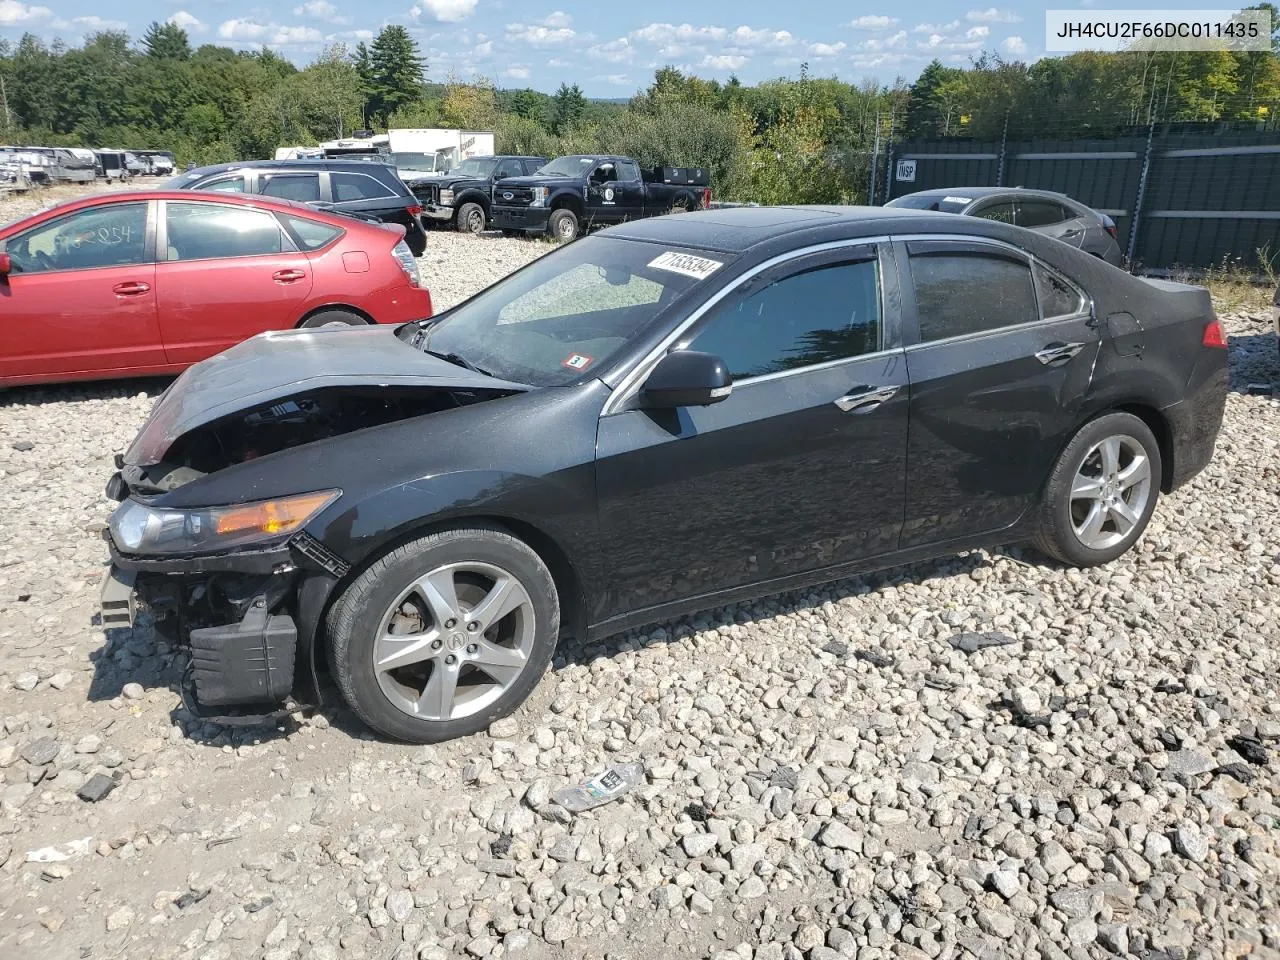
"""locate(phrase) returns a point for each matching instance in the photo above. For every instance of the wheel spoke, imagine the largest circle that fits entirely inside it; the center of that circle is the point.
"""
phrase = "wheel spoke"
(1109, 451)
(504, 596)
(438, 590)
(501, 663)
(1136, 472)
(393, 651)
(437, 697)
(1124, 516)
(1086, 488)
(1092, 525)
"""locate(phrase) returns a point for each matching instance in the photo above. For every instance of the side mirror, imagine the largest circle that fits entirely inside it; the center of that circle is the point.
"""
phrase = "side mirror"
(6, 266)
(687, 378)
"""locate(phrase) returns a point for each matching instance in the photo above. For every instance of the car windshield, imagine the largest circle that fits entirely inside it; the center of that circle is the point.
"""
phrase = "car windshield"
(567, 167)
(474, 167)
(932, 201)
(567, 314)
(415, 161)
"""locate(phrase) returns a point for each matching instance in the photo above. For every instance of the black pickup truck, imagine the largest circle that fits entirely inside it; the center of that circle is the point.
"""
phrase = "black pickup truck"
(462, 196)
(574, 193)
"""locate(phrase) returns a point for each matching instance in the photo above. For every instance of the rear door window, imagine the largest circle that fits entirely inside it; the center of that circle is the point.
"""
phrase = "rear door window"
(1000, 210)
(236, 184)
(206, 231)
(1040, 213)
(628, 171)
(303, 187)
(963, 293)
(353, 187)
(1058, 298)
(310, 234)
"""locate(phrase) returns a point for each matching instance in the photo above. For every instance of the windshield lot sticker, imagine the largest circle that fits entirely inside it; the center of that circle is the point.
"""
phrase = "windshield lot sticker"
(690, 266)
(957, 200)
(577, 361)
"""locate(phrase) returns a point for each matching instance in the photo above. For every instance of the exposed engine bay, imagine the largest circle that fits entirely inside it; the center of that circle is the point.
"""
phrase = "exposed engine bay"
(292, 422)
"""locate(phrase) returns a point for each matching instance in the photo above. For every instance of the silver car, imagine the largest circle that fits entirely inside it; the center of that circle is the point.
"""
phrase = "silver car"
(1053, 214)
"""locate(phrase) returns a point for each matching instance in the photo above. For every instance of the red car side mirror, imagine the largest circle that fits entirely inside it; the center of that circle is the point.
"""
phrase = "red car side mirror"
(6, 267)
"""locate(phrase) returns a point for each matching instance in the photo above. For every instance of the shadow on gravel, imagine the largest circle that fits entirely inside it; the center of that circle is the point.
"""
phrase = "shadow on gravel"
(578, 652)
(1254, 359)
(83, 392)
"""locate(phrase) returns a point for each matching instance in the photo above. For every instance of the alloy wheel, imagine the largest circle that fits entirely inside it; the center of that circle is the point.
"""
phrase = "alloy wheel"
(454, 641)
(475, 221)
(1109, 492)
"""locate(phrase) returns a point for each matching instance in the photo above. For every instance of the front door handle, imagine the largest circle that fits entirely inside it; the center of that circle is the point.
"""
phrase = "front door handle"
(865, 400)
(1058, 352)
(287, 276)
(131, 288)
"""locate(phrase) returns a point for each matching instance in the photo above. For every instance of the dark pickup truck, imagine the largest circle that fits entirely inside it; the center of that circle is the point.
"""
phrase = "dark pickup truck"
(574, 193)
(463, 195)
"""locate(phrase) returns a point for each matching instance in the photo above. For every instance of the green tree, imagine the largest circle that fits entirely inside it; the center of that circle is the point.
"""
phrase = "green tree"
(568, 109)
(394, 70)
(166, 41)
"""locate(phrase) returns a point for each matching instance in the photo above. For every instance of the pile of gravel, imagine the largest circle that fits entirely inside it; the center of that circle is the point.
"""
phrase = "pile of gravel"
(827, 774)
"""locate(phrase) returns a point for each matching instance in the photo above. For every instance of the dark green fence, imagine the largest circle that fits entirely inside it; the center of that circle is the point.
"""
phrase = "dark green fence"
(1178, 199)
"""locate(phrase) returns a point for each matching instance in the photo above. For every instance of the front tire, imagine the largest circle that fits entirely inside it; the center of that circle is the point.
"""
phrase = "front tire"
(563, 225)
(445, 634)
(471, 218)
(1101, 492)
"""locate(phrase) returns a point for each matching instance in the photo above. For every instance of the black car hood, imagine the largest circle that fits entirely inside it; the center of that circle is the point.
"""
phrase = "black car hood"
(534, 180)
(280, 364)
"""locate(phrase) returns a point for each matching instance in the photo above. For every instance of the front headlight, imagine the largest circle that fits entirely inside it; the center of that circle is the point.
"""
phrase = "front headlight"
(138, 528)
(539, 197)
(446, 197)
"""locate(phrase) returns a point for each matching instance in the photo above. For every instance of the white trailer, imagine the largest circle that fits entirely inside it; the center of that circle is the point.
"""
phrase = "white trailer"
(431, 151)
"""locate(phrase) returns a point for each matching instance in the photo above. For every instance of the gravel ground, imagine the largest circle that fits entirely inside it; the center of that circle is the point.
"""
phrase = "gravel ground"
(826, 775)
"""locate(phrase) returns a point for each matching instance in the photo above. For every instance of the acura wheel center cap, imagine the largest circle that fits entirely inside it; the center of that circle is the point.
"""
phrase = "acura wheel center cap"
(456, 641)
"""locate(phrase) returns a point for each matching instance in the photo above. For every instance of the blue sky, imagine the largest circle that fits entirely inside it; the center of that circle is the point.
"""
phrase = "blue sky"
(609, 50)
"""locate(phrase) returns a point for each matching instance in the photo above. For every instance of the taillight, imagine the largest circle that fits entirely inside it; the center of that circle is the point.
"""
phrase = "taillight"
(706, 198)
(1213, 335)
(415, 210)
(1111, 229)
(404, 256)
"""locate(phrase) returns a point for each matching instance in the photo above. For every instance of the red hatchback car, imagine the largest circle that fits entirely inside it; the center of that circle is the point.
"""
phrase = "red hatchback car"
(149, 282)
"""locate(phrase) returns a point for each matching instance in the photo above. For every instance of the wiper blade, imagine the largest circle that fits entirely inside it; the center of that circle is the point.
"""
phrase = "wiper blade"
(461, 361)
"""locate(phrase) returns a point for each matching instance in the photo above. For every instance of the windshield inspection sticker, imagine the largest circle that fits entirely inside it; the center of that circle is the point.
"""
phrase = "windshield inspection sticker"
(577, 361)
(687, 264)
(957, 200)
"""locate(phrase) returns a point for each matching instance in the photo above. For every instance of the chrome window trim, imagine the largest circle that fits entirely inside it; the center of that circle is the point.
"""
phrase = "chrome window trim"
(630, 384)
(825, 365)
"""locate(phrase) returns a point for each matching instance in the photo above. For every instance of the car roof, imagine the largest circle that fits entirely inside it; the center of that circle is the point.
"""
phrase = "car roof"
(192, 196)
(974, 193)
(738, 229)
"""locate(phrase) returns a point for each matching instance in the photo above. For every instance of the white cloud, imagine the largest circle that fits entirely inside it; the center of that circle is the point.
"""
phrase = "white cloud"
(539, 35)
(558, 18)
(977, 33)
(13, 13)
(873, 22)
(249, 31)
(723, 62)
(614, 79)
(992, 15)
(187, 22)
(936, 27)
(615, 51)
(747, 37)
(89, 23)
(319, 10)
(897, 40)
(558, 63)
(656, 33)
(1014, 45)
(444, 11)
(826, 49)
(483, 49)
(517, 73)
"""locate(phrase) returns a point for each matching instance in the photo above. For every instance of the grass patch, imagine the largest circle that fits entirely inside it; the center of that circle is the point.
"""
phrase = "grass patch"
(1237, 287)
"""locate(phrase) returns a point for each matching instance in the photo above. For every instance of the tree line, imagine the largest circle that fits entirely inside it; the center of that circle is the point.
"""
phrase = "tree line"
(799, 140)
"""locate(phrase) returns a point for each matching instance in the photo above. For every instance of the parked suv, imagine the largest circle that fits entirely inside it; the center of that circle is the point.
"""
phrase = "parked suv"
(348, 186)
(463, 195)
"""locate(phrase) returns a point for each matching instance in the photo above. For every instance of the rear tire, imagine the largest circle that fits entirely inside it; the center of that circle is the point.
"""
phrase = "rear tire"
(563, 225)
(1101, 492)
(471, 218)
(333, 318)
(439, 689)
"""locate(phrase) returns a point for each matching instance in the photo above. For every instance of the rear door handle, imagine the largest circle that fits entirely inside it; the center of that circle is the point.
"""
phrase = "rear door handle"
(131, 288)
(865, 400)
(1058, 352)
(287, 276)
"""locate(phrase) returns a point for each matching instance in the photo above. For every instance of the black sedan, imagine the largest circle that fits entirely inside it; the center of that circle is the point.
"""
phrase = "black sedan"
(669, 415)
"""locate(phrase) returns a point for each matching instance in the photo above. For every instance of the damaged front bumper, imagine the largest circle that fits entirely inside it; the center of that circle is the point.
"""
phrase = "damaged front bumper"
(247, 619)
